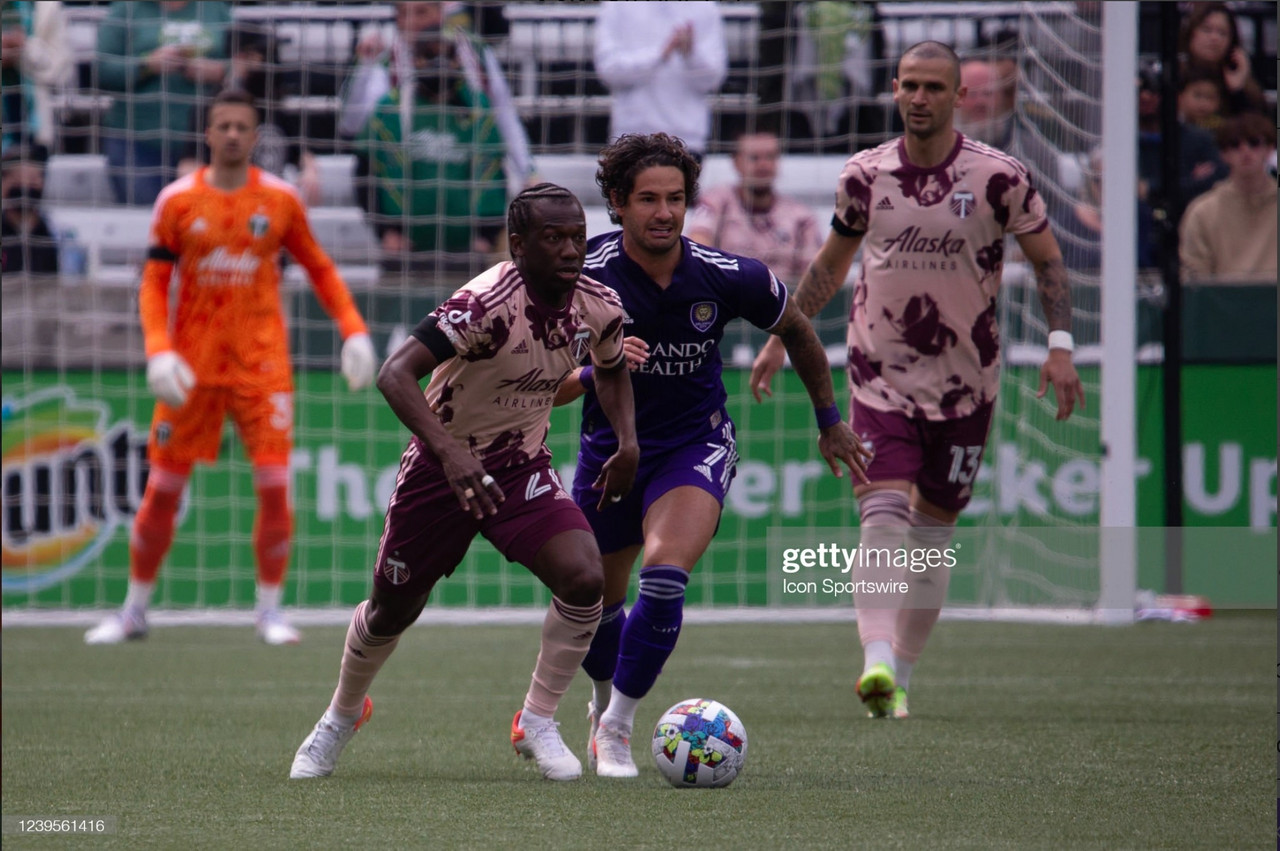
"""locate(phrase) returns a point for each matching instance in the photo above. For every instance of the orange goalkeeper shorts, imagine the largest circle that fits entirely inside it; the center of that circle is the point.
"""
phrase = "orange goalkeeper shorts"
(264, 419)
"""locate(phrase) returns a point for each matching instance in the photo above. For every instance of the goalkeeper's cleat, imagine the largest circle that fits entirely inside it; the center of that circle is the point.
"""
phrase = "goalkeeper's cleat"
(875, 689)
(898, 706)
(543, 744)
(611, 751)
(319, 753)
(124, 625)
(274, 629)
(593, 720)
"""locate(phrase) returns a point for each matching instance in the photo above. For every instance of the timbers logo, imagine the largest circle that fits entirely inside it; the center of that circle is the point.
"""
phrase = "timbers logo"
(70, 478)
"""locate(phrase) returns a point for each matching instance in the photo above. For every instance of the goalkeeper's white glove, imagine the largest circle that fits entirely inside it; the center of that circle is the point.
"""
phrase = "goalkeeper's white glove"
(170, 378)
(358, 361)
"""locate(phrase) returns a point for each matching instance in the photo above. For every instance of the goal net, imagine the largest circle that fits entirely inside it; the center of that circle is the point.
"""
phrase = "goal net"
(77, 409)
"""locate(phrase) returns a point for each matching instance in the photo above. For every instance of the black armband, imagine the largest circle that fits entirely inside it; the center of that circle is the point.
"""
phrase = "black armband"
(159, 252)
(434, 339)
(841, 228)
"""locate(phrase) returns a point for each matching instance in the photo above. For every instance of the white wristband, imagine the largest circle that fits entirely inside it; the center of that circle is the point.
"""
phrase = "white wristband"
(1062, 340)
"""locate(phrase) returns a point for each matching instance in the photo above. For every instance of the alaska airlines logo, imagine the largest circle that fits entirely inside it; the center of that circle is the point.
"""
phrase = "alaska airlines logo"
(223, 267)
(913, 241)
(533, 382)
(70, 478)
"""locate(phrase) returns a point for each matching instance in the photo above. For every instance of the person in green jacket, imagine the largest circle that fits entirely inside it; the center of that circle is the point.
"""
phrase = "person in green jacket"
(441, 186)
(157, 61)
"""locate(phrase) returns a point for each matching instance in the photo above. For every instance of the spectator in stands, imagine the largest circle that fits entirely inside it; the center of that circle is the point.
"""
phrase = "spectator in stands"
(1080, 230)
(1229, 232)
(1210, 41)
(986, 112)
(752, 219)
(157, 60)
(1199, 98)
(1200, 165)
(380, 68)
(281, 150)
(35, 60)
(27, 243)
(829, 73)
(439, 186)
(661, 61)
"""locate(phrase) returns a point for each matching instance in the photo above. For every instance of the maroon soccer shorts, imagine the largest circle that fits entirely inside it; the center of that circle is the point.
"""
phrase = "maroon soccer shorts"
(940, 457)
(426, 533)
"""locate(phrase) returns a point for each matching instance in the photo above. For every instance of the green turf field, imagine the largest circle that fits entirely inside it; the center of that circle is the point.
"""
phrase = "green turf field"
(1023, 736)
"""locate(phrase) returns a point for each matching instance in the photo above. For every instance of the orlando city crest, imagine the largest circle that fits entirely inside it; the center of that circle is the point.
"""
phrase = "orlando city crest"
(703, 315)
(258, 224)
(962, 203)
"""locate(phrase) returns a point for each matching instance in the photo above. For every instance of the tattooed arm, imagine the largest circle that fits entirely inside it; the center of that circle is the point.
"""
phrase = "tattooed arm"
(1055, 299)
(820, 282)
(836, 442)
(826, 273)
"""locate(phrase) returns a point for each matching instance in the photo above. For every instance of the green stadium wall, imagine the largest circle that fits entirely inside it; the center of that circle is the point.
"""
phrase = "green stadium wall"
(74, 552)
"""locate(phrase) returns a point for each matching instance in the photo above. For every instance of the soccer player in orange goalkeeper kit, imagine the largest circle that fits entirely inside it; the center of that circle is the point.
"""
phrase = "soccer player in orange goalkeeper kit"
(223, 227)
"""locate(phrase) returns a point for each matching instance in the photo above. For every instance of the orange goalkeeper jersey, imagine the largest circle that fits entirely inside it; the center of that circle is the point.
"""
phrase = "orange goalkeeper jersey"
(228, 323)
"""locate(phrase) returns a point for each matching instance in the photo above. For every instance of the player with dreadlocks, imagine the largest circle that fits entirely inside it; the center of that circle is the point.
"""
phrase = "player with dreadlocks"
(496, 351)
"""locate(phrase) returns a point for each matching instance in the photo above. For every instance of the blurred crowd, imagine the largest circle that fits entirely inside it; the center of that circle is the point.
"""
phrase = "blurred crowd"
(428, 113)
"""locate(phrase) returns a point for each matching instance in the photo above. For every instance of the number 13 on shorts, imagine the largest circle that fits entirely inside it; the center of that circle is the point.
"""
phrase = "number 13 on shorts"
(964, 464)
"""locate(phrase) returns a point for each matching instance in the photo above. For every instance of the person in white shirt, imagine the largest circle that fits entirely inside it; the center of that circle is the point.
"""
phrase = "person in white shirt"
(661, 61)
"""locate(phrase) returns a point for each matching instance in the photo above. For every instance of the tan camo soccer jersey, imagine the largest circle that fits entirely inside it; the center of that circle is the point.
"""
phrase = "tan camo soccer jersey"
(922, 336)
(513, 352)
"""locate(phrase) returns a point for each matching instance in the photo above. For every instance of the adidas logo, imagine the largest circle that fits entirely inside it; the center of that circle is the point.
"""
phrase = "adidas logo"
(885, 204)
(704, 470)
(522, 348)
(199, 226)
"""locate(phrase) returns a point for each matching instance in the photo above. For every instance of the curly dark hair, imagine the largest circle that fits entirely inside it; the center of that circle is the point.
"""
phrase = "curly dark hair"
(520, 212)
(632, 153)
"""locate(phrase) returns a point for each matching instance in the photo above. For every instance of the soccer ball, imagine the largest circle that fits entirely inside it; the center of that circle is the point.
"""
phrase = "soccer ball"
(699, 744)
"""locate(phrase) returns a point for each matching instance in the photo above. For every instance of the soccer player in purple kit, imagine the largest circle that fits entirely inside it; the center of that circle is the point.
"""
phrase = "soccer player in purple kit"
(477, 463)
(678, 296)
(930, 210)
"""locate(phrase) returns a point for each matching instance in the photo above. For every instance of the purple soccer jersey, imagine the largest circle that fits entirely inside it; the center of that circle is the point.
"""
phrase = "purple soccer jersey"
(923, 337)
(679, 394)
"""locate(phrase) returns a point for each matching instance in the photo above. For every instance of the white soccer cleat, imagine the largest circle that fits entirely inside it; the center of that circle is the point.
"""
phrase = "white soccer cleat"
(124, 625)
(593, 718)
(611, 749)
(319, 753)
(544, 745)
(274, 629)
